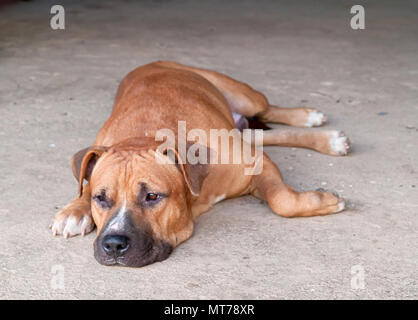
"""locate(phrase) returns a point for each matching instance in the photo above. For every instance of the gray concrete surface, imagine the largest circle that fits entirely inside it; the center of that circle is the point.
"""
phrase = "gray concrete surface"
(56, 90)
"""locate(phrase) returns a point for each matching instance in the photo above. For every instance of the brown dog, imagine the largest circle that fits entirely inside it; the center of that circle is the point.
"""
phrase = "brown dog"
(142, 207)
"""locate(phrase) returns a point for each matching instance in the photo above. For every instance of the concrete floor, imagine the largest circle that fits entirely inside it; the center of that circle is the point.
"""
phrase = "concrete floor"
(56, 90)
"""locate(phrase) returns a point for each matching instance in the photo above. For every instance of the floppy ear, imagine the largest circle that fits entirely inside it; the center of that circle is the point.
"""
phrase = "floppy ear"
(82, 164)
(193, 174)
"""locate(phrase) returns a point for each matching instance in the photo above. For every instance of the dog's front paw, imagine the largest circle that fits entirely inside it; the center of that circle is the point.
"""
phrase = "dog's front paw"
(339, 143)
(72, 220)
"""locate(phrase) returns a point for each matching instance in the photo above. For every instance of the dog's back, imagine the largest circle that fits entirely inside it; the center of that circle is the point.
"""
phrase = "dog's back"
(155, 97)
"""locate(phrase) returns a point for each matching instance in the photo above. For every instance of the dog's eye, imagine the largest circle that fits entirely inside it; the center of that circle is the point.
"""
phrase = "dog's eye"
(151, 196)
(102, 200)
(148, 198)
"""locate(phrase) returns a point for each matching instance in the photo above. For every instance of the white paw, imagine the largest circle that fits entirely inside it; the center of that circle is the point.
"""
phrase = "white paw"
(315, 119)
(341, 205)
(70, 225)
(339, 143)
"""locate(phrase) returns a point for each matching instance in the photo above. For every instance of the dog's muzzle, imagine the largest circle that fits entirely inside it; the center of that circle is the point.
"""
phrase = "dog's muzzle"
(121, 243)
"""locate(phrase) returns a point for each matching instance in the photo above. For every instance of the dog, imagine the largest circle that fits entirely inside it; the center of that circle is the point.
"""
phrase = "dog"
(143, 208)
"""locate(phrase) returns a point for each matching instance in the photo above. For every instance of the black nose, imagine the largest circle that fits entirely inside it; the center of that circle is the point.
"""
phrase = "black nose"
(115, 245)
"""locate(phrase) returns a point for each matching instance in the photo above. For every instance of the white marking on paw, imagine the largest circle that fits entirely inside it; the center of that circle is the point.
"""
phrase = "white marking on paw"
(72, 226)
(339, 143)
(341, 205)
(315, 119)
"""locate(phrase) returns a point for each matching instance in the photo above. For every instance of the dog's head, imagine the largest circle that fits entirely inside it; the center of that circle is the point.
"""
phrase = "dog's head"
(140, 202)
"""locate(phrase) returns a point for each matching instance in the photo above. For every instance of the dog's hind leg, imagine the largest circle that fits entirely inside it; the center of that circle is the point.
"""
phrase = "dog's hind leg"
(331, 142)
(75, 218)
(285, 201)
(248, 102)
(297, 117)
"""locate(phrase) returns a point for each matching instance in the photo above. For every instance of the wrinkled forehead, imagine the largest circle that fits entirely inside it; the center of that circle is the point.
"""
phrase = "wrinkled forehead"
(129, 169)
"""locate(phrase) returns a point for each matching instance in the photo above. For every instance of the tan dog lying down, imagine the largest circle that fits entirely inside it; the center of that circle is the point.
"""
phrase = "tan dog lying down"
(143, 207)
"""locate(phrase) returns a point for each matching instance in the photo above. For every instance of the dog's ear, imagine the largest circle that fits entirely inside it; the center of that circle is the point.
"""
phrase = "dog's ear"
(194, 172)
(82, 164)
